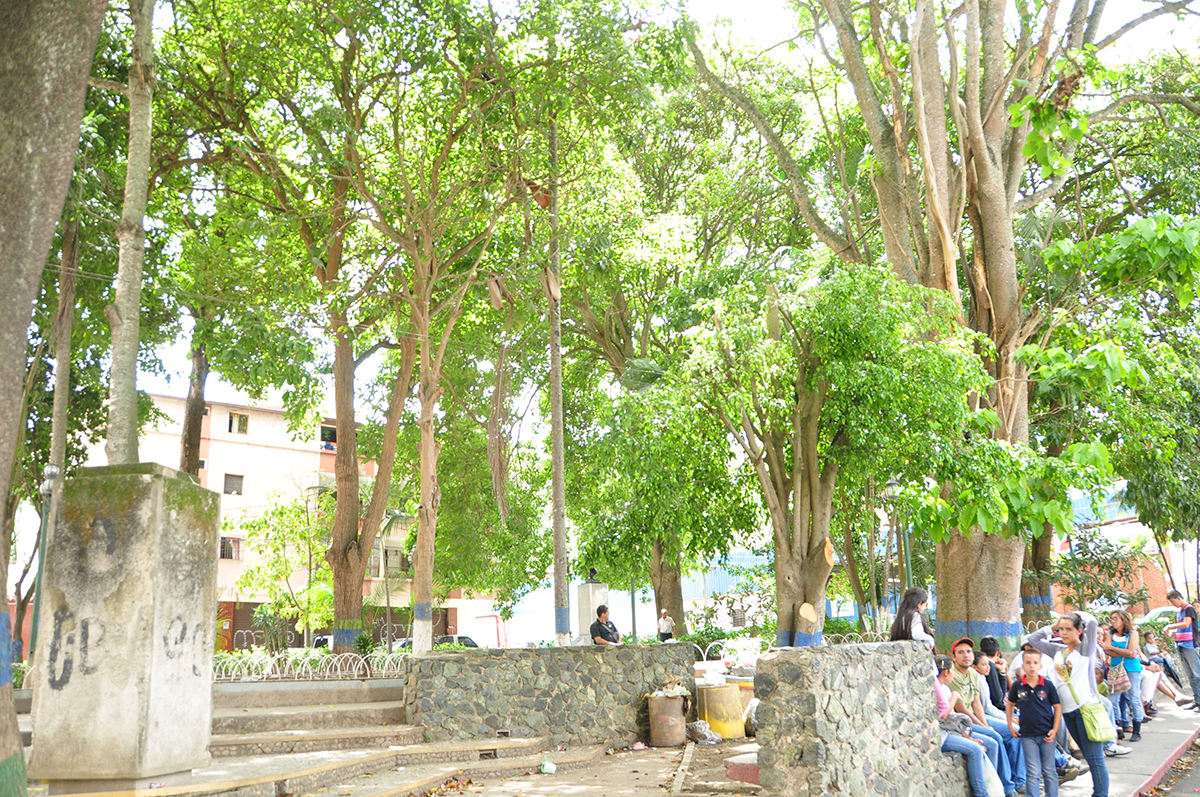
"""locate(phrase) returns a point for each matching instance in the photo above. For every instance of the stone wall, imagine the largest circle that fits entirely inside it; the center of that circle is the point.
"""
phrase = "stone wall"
(582, 695)
(853, 720)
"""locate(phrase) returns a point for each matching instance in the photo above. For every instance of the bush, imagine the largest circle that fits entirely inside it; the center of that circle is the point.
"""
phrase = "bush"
(840, 625)
(364, 645)
(18, 674)
(453, 646)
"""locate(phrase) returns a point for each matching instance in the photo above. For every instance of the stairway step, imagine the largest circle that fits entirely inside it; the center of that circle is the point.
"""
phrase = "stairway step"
(228, 721)
(265, 694)
(308, 773)
(304, 741)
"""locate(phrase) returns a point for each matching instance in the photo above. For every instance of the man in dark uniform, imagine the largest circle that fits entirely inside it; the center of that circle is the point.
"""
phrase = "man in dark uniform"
(604, 632)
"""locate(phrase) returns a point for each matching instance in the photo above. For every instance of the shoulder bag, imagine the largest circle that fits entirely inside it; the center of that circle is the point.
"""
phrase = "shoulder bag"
(1095, 718)
(1118, 679)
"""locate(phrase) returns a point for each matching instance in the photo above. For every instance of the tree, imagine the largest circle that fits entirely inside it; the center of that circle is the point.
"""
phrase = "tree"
(829, 366)
(637, 517)
(125, 312)
(41, 108)
(287, 544)
(948, 171)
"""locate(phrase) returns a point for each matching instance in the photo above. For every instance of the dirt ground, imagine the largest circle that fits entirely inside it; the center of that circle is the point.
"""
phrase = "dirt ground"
(645, 773)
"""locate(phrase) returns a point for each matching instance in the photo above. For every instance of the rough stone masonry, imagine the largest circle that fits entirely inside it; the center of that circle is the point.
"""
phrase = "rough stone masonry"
(852, 720)
(582, 695)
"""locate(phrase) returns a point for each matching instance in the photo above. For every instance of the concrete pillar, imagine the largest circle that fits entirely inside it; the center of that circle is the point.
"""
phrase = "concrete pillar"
(591, 594)
(122, 693)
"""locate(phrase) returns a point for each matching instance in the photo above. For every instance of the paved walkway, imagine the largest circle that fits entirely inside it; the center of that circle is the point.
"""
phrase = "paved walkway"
(1162, 738)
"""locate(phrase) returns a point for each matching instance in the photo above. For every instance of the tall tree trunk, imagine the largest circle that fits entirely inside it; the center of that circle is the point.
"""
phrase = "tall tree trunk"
(124, 314)
(193, 410)
(46, 51)
(850, 562)
(1037, 596)
(345, 554)
(558, 499)
(667, 579)
(431, 496)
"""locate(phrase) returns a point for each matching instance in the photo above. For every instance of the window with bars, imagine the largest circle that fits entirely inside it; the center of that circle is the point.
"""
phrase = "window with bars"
(231, 548)
(739, 618)
(233, 484)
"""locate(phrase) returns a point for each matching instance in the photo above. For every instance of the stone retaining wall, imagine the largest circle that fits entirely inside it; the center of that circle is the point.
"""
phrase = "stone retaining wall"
(853, 720)
(581, 695)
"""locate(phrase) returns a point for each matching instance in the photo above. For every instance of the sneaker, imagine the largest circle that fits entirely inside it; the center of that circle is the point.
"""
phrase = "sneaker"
(1184, 702)
(1117, 750)
(1070, 772)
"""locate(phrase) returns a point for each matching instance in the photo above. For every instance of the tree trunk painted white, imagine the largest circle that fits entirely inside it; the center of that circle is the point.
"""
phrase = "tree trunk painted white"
(124, 314)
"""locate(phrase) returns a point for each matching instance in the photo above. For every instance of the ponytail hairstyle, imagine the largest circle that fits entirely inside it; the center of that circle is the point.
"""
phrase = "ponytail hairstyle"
(909, 613)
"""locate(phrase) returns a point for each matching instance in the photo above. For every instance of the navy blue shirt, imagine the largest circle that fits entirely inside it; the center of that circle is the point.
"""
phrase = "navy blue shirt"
(1036, 704)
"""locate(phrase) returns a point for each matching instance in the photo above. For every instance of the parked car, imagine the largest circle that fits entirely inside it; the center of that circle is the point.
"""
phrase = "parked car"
(452, 639)
(1158, 615)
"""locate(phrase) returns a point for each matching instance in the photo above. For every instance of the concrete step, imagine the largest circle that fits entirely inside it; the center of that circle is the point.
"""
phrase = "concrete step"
(227, 721)
(304, 741)
(412, 781)
(266, 694)
(330, 772)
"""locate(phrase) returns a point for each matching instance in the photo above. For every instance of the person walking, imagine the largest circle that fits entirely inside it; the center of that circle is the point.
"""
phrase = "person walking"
(666, 626)
(1073, 678)
(1184, 629)
(1125, 652)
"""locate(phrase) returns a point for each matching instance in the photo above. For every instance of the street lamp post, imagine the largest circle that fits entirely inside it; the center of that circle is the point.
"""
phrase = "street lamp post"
(46, 490)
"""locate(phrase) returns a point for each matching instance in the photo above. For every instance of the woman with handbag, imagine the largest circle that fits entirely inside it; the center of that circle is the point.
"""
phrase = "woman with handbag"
(1125, 675)
(1074, 663)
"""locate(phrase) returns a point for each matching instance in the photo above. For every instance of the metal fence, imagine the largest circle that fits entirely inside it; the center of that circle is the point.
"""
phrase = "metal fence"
(305, 666)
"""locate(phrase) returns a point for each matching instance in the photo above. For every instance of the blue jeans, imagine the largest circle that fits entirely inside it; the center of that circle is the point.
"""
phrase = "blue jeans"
(1012, 749)
(1039, 766)
(1129, 702)
(953, 743)
(1093, 752)
(1003, 769)
(1112, 717)
(1190, 660)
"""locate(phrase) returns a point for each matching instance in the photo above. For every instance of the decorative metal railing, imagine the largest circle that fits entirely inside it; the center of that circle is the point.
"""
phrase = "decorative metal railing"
(305, 666)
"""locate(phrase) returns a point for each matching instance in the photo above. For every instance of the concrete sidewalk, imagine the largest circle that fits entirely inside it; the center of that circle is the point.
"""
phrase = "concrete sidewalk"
(1163, 740)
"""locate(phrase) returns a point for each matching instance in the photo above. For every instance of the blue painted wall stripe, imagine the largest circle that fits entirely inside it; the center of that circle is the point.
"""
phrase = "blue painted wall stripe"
(1046, 599)
(423, 611)
(807, 640)
(562, 620)
(786, 639)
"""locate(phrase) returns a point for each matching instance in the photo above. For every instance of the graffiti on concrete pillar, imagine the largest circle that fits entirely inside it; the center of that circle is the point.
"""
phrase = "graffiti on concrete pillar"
(176, 642)
(70, 640)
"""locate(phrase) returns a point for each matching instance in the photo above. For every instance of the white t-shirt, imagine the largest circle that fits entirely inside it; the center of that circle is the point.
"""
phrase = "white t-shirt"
(666, 624)
(1083, 679)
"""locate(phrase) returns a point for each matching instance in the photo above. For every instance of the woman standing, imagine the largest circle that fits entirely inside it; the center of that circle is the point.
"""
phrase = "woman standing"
(1124, 650)
(910, 618)
(1074, 663)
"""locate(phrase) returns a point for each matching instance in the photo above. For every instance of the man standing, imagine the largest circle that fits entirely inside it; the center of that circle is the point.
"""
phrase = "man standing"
(1185, 640)
(966, 683)
(666, 626)
(603, 631)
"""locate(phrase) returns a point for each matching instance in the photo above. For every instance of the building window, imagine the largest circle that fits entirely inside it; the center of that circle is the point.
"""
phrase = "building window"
(239, 423)
(233, 484)
(203, 465)
(231, 548)
(739, 618)
(329, 438)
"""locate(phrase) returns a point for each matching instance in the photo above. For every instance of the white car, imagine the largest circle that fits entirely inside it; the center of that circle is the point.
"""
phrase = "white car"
(1158, 615)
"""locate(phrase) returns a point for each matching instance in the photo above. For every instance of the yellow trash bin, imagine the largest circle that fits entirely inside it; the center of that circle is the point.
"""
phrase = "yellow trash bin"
(721, 708)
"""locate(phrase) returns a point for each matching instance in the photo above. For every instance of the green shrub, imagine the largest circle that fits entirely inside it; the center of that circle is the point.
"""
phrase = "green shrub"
(840, 625)
(18, 674)
(453, 646)
(364, 645)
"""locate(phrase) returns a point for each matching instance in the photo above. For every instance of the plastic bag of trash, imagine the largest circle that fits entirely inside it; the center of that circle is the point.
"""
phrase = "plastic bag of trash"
(547, 767)
(700, 733)
(750, 717)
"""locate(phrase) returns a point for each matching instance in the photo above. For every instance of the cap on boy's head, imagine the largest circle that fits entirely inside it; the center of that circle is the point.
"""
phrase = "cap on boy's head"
(664, 611)
(943, 663)
(989, 646)
(601, 610)
(964, 641)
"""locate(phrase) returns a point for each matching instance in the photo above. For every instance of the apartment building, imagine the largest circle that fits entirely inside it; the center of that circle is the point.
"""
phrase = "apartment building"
(252, 458)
